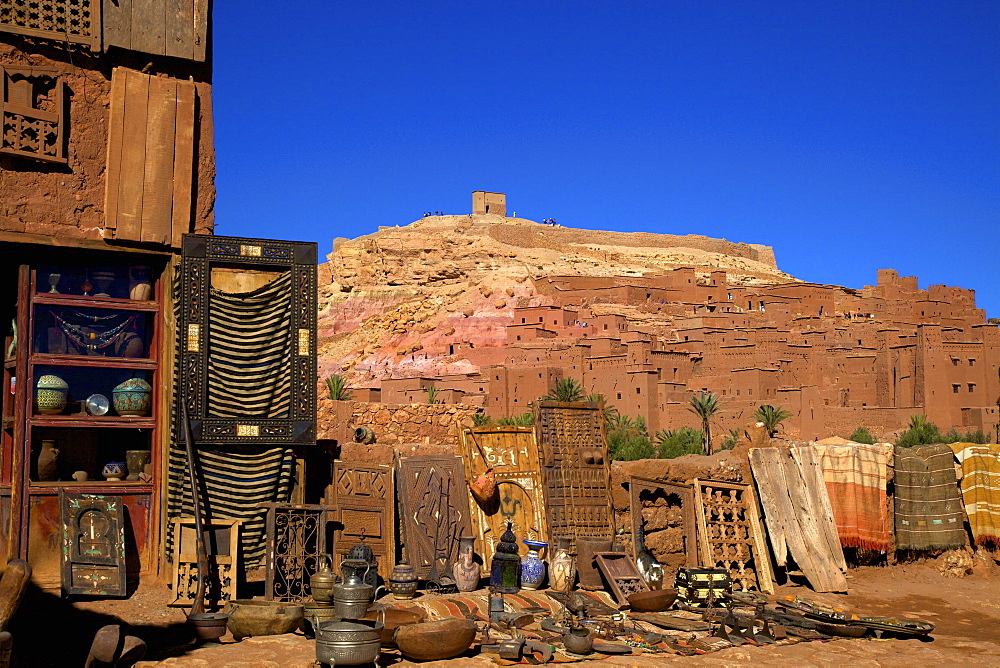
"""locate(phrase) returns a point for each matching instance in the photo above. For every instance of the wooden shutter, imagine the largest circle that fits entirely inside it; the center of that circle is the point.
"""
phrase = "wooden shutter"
(177, 28)
(150, 158)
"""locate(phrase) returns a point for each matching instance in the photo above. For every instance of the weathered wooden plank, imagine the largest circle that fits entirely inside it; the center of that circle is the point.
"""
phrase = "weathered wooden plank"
(116, 123)
(133, 159)
(766, 473)
(158, 180)
(201, 33)
(117, 24)
(148, 26)
(183, 181)
(180, 28)
(812, 474)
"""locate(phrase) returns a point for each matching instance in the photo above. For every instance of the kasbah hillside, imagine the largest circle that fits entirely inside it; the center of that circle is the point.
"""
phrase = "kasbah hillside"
(471, 439)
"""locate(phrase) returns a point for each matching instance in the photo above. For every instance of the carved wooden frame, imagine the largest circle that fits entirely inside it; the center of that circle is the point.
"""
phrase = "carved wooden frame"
(10, 107)
(223, 574)
(350, 507)
(106, 573)
(637, 486)
(199, 253)
(622, 575)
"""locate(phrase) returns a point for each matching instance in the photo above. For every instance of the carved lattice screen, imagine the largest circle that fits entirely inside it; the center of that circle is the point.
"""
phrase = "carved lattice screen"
(32, 110)
(76, 21)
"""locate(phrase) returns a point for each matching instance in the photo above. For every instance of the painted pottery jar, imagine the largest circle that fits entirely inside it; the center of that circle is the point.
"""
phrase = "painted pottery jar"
(114, 470)
(51, 393)
(48, 462)
(466, 570)
(133, 397)
(403, 581)
(136, 461)
(562, 567)
(532, 566)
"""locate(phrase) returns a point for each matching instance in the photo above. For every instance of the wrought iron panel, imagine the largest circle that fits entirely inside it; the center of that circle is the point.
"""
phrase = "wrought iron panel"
(296, 537)
(222, 541)
(576, 471)
(199, 254)
(93, 544)
(364, 503)
(730, 534)
(434, 507)
(513, 454)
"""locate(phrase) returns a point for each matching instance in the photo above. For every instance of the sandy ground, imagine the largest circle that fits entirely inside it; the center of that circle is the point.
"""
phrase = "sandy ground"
(966, 612)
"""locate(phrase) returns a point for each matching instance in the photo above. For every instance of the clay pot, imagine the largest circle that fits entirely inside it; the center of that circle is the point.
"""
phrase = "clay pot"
(136, 461)
(393, 618)
(114, 470)
(139, 287)
(562, 567)
(578, 641)
(263, 618)
(435, 641)
(48, 461)
(587, 547)
(403, 581)
(466, 571)
(652, 601)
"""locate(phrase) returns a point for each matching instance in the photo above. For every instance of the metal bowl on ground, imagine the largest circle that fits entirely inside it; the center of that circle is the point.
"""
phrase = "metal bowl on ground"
(394, 618)
(316, 614)
(208, 625)
(263, 618)
(435, 641)
(349, 643)
(657, 600)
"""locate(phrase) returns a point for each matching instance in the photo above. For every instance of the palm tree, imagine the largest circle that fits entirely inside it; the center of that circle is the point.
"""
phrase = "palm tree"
(432, 395)
(609, 411)
(337, 386)
(771, 417)
(705, 405)
(566, 389)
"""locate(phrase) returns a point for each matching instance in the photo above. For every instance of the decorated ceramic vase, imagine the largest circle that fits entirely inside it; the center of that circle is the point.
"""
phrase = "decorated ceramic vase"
(139, 286)
(136, 461)
(562, 567)
(532, 566)
(133, 397)
(114, 470)
(51, 393)
(403, 581)
(466, 570)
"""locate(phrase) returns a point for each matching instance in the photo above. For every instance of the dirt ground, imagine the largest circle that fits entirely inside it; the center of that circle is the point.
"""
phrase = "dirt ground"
(965, 611)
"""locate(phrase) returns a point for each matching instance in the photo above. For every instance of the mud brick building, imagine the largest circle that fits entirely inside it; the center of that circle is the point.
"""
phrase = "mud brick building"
(106, 159)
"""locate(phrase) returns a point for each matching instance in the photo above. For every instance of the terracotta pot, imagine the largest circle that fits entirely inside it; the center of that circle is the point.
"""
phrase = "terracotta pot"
(562, 567)
(466, 571)
(435, 641)
(393, 618)
(48, 461)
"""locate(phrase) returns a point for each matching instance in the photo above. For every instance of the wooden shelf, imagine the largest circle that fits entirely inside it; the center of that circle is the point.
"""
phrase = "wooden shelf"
(93, 361)
(91, 487)
(94, 302)
(96, 421)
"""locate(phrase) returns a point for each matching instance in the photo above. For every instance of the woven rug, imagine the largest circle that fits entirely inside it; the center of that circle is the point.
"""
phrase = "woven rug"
(929, 512)
(855, 477)
(981, 489)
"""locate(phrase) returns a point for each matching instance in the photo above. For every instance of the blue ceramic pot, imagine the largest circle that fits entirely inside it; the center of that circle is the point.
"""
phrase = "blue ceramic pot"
(532, 566)
(133, 397)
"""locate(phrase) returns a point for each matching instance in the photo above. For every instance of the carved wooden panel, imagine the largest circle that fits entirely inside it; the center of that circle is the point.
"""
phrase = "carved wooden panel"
(75, 21)
(673, 495)
(513, 454)
(200, 253)
(32, 114)
(363, 504)
(730, 534)
(222, 542)
(93, 544)
(434, 509)
(576, 471)
(622, 575)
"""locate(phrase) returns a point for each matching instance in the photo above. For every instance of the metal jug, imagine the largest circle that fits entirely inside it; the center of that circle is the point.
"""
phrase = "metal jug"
(321, 582)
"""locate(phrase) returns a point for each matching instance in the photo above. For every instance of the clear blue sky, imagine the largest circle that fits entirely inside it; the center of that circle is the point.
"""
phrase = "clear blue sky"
(851, 136)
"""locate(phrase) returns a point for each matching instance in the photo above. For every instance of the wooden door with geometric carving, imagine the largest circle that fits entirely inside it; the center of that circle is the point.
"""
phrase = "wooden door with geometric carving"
(434, 510)
(513, 454)
(364, 505)
(93, 548)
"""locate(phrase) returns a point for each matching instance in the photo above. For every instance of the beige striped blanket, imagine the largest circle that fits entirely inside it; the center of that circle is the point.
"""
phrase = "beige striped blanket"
(855, 475)
(981, 489)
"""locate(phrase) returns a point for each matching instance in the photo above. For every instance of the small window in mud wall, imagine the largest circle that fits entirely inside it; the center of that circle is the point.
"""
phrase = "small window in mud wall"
(33, 112)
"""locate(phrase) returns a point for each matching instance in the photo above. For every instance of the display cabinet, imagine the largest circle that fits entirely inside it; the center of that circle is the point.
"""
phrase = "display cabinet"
(81, 409)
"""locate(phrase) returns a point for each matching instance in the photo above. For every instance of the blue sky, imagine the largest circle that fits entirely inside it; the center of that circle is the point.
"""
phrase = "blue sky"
(851, 136)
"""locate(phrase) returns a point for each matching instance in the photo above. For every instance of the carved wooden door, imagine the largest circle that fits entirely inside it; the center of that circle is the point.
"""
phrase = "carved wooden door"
(93, 544)
(513, 454)
(364, 502)
(434, 507)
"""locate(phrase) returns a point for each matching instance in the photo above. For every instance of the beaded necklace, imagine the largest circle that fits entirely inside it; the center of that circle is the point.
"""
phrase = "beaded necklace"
(92, 340)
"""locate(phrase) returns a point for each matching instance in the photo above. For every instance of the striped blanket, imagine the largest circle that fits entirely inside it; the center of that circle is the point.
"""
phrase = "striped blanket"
(981, 489)
(234, 483)
(855, 477)
(929, 512)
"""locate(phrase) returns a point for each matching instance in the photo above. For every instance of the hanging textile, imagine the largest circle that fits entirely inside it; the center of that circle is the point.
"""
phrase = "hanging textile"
(250, 352)
(234, 483)
(928, 508)
(855, 476)
(981, 489)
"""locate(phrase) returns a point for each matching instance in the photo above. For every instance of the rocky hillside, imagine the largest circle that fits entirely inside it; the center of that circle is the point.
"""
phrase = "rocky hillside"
(433, 297)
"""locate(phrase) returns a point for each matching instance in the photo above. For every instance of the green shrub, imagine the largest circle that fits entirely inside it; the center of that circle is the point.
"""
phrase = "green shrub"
(730, 440)
(481, 420)
(683, 441)
(921, 432)
(862, 435)
(628, 439)
(337, 388)
(522, 420)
